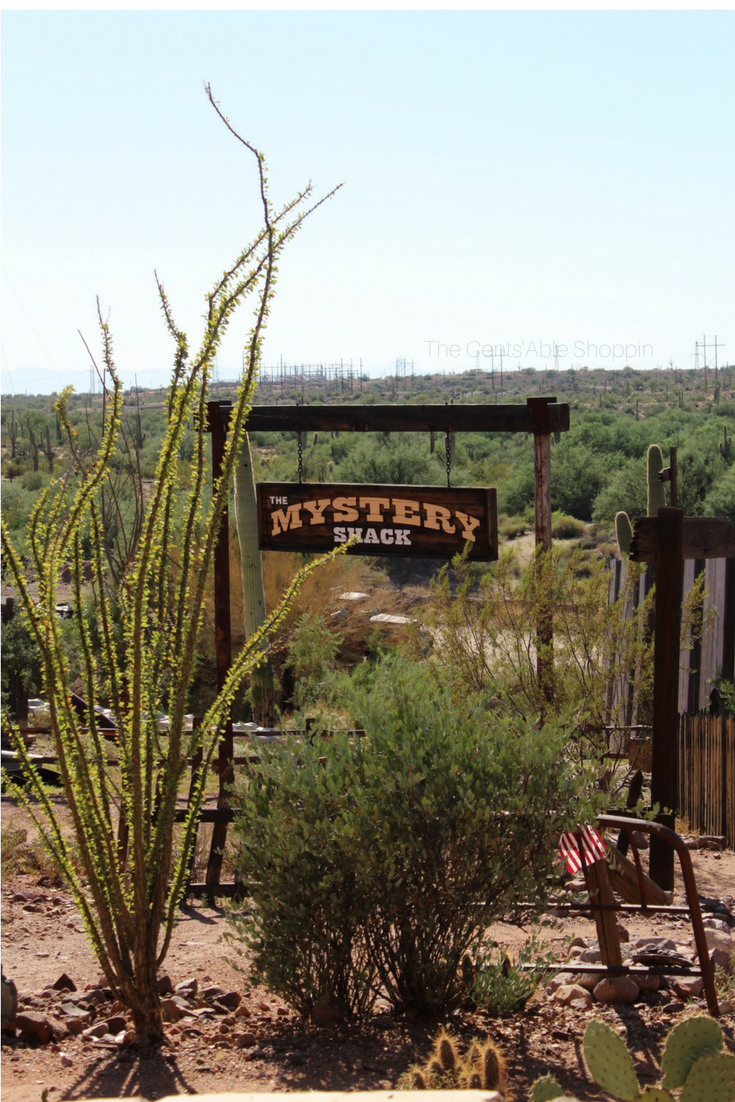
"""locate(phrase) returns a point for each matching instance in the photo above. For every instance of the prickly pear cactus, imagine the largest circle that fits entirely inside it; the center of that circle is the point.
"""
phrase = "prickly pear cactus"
(656, 491)
(623, 532)
(545, 1089)
(655, 1094)
(712, 1079)
(688, 1042)
(609, 1061)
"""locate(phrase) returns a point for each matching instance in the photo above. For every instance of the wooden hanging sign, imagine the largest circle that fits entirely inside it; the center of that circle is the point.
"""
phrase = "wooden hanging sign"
(388, 520)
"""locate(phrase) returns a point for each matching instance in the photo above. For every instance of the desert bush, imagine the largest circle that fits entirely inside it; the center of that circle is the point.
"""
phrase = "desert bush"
(502, 987)
(564, 527)
(485, 642)
(387, 857)
(312, 650)
(306, 927)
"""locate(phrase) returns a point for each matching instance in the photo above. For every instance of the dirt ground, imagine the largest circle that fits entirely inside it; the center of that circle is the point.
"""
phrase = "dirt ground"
(42, 938)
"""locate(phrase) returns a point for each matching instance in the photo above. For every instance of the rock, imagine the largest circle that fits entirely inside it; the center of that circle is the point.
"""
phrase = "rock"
(116, 1024)
(617, 989)
(581, 1004)
(98, 1030)
(578, 943)
(725, 1006)
(561, 979)
(648, 983)
(641, 840)
(717, 924)
(673, 1008)
(95, 995)
(9, 1003)
(331, 1011)
(716, 940)
(687, 987)
(66, 1061)
(64, 983)
(212, 992)
(245, 1040)
(230, 999)
(567, 992)
(32, 907)
(590, 956)
(71, 1010)
(622, 932)
(723, 960)
(74, 1026)
(652, 944)
(187, 987)
(172, 1012)
(243, 1011)
(165, 985)
(20, 897)
(35, 1025)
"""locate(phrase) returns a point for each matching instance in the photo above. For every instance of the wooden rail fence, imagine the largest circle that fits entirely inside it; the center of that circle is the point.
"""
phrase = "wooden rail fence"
(707, 774)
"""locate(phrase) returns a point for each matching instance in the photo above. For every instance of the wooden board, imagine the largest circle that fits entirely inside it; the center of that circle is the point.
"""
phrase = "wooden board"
(703, 538)
(389, 520)
(399, 417)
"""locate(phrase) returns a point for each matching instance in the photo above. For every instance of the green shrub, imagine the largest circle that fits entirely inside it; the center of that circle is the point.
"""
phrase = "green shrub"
(566, 528)
(501, 986)
(311, 654)
(306, 926)
(390, 855)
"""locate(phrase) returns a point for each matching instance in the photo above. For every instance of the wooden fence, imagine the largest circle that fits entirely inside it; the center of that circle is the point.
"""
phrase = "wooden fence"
(713, 655)
(707, 774)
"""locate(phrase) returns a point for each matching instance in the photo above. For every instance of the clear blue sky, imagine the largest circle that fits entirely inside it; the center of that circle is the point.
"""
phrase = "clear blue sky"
(511, 178)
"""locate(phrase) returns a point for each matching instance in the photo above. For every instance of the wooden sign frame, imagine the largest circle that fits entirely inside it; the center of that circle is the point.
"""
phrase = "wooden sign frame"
(424, 521)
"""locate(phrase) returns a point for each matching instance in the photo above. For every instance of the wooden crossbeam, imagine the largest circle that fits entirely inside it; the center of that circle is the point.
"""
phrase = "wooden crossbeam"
(408, 418)
(702, 538)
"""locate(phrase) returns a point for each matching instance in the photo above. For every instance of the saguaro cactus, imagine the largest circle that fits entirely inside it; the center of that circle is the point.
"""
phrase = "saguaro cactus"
(725, 448)
(253, 591)
(655, 498)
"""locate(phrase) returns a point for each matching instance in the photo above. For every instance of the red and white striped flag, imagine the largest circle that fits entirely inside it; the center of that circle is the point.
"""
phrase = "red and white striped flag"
(593, 848)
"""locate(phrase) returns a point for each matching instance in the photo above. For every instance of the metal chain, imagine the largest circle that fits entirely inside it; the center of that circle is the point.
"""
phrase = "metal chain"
(448, 453)
(301, 458)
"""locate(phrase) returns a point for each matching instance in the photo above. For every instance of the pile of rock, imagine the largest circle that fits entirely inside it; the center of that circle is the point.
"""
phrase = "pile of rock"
(581, 990)
(60, 1012)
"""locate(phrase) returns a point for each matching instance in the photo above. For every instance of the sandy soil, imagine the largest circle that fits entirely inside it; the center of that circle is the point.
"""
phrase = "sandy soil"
(42, 942)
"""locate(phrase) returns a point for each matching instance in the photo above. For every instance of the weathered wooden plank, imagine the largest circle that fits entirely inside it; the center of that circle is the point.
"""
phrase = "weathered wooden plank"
(403, 418)
(669, 582)
(703, 538)
(597, 877)
(623, 877)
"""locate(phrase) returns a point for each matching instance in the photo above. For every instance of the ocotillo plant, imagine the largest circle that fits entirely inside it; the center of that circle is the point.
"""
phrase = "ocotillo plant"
(138, 643)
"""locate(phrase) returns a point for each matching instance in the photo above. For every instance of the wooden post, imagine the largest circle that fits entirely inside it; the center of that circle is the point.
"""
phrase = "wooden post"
(218, 414)
(669, 586)
(598, 885)
(538, 411)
